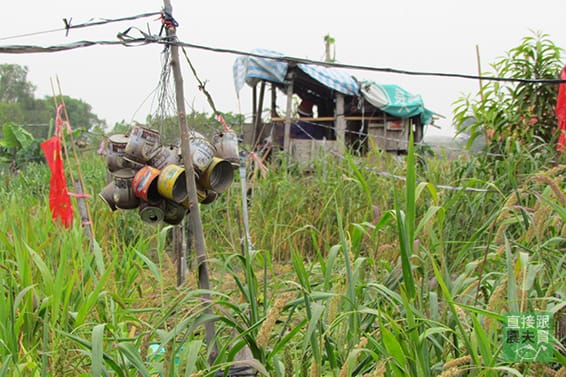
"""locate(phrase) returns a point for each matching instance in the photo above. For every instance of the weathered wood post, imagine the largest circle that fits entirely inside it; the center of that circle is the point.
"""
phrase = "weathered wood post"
(258, 123)
(287, 135)
(340, 124)
(195, 221)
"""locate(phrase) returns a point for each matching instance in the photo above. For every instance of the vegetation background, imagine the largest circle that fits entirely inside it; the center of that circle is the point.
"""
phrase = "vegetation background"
(351, 272)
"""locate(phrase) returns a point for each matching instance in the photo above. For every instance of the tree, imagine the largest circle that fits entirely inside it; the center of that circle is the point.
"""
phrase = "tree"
(14, 87)
(520, 111)
(80, 113)
(203, 123)
(11, 112)
(18, 104)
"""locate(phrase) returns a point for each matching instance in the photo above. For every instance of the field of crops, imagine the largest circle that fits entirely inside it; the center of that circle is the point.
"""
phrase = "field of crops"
(352, 272)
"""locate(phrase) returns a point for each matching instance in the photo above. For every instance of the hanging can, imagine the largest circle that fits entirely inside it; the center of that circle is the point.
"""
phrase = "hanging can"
(202, 152)
(115, 152)
(174, 212)
(209, 197)
(172, 183)
(217, 176)
(151, 213)
(123, 194)
(142, 145)
(226, 145)
(107, 195)
(144, 184)
(203, 196)
(166, 155)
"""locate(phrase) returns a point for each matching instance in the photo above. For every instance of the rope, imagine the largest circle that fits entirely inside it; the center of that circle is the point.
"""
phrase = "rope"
(202, 87)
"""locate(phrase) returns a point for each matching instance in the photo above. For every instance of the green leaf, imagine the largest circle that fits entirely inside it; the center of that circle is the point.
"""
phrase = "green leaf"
(432, 331)
(316, 310)
(131, 353)
(16, 136)
(190, 356)
(5, 365)
(9, 140)
(393, 347)
(483, 342)
(152, 266)
(97, 350)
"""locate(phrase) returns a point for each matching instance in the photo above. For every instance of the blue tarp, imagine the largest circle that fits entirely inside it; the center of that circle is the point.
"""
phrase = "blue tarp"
(332, 78)
(251, 69)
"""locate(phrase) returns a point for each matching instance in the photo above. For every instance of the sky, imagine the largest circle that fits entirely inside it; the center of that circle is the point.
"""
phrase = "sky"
(427, 36)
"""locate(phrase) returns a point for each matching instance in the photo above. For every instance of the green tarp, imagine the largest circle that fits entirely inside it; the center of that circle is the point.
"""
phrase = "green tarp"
(395, 101)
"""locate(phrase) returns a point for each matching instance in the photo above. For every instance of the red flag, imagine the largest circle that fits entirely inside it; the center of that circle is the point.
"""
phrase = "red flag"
(59, 200)
(561, 112)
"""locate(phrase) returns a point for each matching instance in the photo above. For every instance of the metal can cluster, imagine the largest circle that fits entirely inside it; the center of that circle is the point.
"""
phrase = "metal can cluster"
(150, 177)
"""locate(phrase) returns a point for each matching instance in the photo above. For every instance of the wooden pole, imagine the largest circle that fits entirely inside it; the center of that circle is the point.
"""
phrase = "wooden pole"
(195, 221)
(340, 124)
(287, 136)
(254, 105)
(257, 121)
(273, 100)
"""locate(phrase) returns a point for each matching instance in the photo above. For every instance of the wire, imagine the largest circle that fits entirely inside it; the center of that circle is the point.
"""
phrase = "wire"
(26, 49)
(291, 59)
(31, 34)
(69, 26)
(147, 39)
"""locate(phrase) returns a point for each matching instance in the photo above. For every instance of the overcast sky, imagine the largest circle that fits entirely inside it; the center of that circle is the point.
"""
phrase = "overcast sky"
(119, 82)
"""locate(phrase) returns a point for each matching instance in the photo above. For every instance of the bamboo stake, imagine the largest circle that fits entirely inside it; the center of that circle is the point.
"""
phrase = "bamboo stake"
(78, 184)
(195, 221)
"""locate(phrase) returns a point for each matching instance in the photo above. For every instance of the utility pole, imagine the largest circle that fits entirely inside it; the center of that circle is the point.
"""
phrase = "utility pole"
(195, 221)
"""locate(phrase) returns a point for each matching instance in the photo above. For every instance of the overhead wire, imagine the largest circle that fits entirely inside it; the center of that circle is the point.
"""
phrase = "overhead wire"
(125, 39)
(291, 59)
(30, 49)
(68, 25)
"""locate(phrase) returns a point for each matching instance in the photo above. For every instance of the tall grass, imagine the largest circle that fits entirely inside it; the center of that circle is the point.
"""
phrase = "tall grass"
(351, 273)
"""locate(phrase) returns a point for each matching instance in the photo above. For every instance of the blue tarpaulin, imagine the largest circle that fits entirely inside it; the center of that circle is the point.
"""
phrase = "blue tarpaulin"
(332, 78)
(251, 69)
